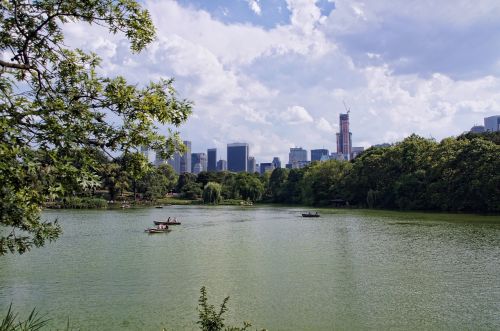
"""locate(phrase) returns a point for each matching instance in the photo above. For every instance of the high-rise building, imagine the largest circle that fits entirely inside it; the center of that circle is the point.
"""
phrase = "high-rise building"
(174, 161)
(316, 154)
(492, 123)
(197, 168)
(147, 153)
(301, 164)
(186, 158)
(297, 154)
(221, 165)
(266, 167)
(237, 157)
(251, 165)
(212, 159)
(477, 129)
(338, 157)
(344, 137)
(182, 163)
(276, 162)
(356, 151)
(199, 158)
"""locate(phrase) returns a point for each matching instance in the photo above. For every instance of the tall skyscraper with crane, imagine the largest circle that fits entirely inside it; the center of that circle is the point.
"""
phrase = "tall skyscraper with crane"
(344, 137)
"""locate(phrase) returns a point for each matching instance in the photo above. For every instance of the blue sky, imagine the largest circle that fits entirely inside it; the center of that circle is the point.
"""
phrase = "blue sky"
(275, 73)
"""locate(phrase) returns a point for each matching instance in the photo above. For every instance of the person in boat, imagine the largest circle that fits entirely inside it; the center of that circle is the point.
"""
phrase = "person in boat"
(174, 220)
(168, 220)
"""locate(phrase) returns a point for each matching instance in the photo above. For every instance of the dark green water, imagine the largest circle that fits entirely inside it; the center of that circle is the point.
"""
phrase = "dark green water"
(348, 270)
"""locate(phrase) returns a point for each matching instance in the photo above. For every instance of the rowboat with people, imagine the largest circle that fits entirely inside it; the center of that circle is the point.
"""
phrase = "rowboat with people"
(159, 228)
(309, 214)
(168, 221)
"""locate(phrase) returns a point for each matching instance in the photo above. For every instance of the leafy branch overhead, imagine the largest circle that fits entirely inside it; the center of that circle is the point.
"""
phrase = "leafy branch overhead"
(55, 108)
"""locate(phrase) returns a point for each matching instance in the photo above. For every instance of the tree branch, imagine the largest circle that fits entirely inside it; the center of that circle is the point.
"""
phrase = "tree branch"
(14, 65)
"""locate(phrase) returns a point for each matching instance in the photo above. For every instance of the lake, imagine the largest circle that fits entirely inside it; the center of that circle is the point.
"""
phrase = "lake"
(347, 270)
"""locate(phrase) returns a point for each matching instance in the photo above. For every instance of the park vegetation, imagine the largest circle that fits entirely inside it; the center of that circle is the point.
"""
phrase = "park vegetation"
(459, 174)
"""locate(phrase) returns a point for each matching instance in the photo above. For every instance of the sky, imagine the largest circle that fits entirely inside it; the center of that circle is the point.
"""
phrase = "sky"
(276, 73)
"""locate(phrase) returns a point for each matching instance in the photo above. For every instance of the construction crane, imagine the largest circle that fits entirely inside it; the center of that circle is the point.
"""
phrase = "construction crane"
(348, 109)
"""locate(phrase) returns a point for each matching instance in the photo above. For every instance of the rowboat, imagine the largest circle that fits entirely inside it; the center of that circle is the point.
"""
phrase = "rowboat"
(310, 215)
(157, 230)
(167, 223)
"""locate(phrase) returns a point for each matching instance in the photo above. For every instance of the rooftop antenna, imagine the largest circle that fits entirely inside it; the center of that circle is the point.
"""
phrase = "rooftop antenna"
(348, 109)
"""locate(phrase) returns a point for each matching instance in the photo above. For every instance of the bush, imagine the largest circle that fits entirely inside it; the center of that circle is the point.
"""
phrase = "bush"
(210, 319)
(83, 203)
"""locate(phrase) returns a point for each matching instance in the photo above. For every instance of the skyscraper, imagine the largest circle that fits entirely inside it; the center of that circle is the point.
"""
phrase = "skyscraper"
(316, 154)
(276, 162)
(477, 129)
(251, 165)
(237, 157)
(296, 155)
(221, 165)
(356, 151)
(147, 153)
(185, 163)
(266, 167)
(212, 159)
(344, 137)
(182, 163)
(198, 158)
(492, 123)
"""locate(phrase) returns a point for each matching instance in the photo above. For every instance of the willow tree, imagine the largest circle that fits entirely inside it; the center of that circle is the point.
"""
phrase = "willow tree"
(212, 193)
(55, 107)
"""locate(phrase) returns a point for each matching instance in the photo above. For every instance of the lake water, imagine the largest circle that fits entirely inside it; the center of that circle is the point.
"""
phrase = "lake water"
(348, 270)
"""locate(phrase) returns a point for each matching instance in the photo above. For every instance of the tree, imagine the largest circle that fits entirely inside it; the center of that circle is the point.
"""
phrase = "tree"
(157, 182)
(191, 190)
(277, 183)
(324, 181)
(212, 193)
(249, 186)
(229, 188)
(53, 102)
(184, 179)
(111, 173)
(292, 191)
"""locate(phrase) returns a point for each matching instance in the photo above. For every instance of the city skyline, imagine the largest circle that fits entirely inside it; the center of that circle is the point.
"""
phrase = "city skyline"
(277, 73)
(297, 156)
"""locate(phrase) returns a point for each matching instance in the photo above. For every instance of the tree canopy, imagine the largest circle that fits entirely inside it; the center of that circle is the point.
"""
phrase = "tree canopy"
(55, 108)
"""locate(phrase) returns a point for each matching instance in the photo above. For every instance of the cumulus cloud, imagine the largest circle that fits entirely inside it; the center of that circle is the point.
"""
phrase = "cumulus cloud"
(421, 37)
(254, 6)
(296, 115)
(324, 125)
(258, 85)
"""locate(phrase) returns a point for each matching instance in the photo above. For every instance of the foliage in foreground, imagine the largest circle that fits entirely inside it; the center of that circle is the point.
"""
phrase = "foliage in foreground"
(12, 322)
(212, 320)
(209, 318)
(56, 111)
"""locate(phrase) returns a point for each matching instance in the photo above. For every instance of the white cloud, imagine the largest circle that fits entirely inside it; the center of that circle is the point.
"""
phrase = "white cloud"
(238, 44)
(254, 6)
(253, 115)
(324, 125)
(244, 79)
(296, 115)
